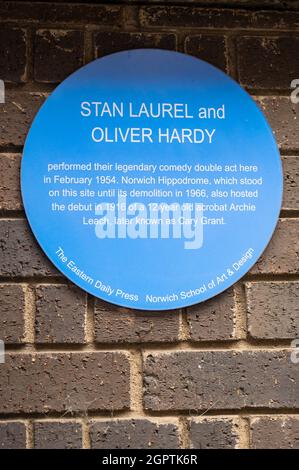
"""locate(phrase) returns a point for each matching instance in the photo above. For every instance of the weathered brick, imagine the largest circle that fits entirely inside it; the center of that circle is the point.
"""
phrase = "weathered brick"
(213, 319)
(57, 435)
(291, 183)
(64, 51)
(272, 63)
(273, 310)
(208, 47)
(13, 54)
(55, 12)
(12, 435)
(195, 17)
(20, 254)
(115, 324)
(107, 43)
(269, 432)
(282, 116)
(17, 115)
(12, 306)
(192, 380)
(60, 314)
(282, 254)
(133, 434)
(10, 196)
(213, 433)
(64, 382)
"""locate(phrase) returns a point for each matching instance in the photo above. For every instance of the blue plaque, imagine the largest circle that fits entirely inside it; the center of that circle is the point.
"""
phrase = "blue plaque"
(151, 179)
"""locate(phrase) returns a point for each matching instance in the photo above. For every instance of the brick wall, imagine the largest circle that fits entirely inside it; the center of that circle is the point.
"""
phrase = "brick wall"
(80, 372)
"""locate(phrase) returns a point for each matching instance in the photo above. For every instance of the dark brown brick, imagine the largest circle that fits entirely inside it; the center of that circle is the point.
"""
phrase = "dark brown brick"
(12, 435)
(64, 383)
(208, 47)
(57, 435)
(10, 196)
(133, 434)
(115, 324)
(20, 254)
(17, 115)
(282, 254)
(55, 12)
(12, 54)
(60, 314)
(269, 432)
(282, 116)
(214, 433)
(273, 310)
(191, 380)
(267, 62)
(213, 319)
(12, 307)
(107, 43)
(195, 17)
(58, 53)
(291, 183)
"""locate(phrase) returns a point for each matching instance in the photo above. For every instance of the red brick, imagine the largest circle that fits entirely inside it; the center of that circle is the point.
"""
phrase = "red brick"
(194, 380)
(64, 382)
(273, 310)
(214, 319)
(213, 433)
(20, 254)
(57, 435)
(282, 254)
(60, 314)
(57, 54)
(133, 434)
(12, 307)
(115, 324)
(274, 432)
(10, 196)
(13, 54)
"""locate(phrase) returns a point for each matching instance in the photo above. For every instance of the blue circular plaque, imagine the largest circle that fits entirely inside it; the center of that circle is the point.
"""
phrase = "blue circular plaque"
(151, 179)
